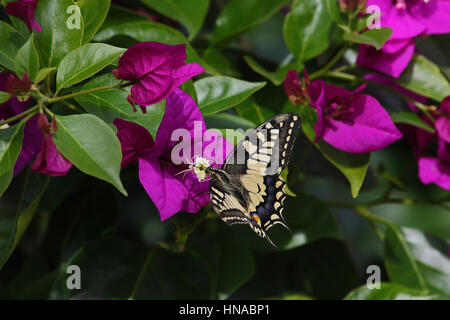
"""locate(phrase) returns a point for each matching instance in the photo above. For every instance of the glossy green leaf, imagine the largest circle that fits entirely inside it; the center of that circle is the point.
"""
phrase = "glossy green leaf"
(94, 14)
(388, 291)
(27, 59)
(190, 13)
(12, 41)
(252, 111)
(228, 121)
(10, 146)
(15, 218)
(56, 39)
(276, 77)
(353, 166)
(91, 145)
(412, 260)
(219, 93)
(84, 62)
(42, 74)
(411, 118)
(4, 96)
(122, 22)
(112, 103)
(373, 37)
(306, 29)
(239, 16)
(424, 77)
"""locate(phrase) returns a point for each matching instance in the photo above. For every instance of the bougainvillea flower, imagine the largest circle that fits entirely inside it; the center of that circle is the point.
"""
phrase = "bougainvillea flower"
(431, 151)
(443, 120)
(436, 169)
(33, 143)
(155, 70)
(24, 10)
(350, 120)
(407, 19)
(160, 176)
(49, 160)
(391, 63)
(296, 92)
(390, 83)
(18, 87)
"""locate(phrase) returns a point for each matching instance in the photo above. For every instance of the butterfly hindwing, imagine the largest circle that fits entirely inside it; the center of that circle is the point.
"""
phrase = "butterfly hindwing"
(270, 209)
(227, 204)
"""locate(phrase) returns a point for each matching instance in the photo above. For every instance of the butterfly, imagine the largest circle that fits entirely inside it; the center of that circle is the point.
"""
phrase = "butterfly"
(249, 188)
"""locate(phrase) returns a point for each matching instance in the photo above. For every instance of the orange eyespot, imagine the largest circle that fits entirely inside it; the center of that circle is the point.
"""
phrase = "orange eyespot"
(256, 219)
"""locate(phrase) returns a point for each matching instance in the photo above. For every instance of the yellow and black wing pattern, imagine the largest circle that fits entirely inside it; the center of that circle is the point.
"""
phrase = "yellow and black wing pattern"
(249, 187)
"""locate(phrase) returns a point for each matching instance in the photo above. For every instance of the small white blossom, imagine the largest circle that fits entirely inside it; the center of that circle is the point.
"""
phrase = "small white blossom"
(199, 167)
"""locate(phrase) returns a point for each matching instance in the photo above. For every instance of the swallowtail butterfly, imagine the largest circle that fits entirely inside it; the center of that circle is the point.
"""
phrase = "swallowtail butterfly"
(249, 187)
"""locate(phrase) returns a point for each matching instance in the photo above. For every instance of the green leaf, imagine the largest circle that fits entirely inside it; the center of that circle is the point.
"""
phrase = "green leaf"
(388, 291)
(334, 11)
(227, 121)
(94, 14)
(239, 16)
(91, 145)
(411, 215)
(276, 77)
(411, 118)
(306, 29)
(224, 254)
(190, 13)
(27, 59)
(15, 218)
(130, 271)
(84, 62)
(42, 74)
(10, 146)
(373, 37)
(353, 166)
(112, 103)
(127, 23)
(12, 41)
(252, 111)
(220, 92)
(4, 96)
(412, 261)
(424, 77)
(56, 40)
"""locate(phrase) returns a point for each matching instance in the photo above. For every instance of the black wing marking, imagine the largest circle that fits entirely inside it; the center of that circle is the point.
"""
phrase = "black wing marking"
(265, 150)
(252, 184)
(228, 206)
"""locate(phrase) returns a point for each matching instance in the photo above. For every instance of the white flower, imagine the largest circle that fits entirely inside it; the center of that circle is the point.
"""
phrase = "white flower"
(199, 167)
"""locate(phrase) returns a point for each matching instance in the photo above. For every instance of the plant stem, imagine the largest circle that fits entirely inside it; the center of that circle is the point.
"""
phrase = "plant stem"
(32, 110)
(80, 93)
(330, 64)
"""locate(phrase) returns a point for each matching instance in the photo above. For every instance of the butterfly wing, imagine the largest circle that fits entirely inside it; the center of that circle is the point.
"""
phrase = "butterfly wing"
(252, 175)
